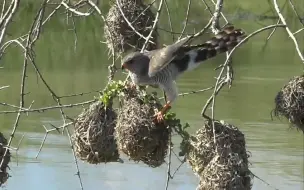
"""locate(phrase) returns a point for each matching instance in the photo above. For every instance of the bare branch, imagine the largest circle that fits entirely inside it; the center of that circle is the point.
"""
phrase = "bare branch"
(154, 25)
(216, 16)
(130, 25)
(276, 6)
(186, 19)
(169, 160)
(3, 87)
(298, 31)
(170, 21)
(227, 61)
(7, 17)
(74, 10)
(296, 12)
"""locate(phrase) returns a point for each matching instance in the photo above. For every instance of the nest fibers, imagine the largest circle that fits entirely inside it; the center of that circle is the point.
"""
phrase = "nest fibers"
(224, 166)
(290, 102)
(123, 36)
(136, 133)
(3, 173)
(94, 134)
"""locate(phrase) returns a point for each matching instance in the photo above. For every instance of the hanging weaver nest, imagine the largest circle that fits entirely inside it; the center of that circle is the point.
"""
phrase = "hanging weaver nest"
(290, 102)
(137, 135)
(123, 36)
(3, 172)
(224, 166)
(224, 173)
(94, 134)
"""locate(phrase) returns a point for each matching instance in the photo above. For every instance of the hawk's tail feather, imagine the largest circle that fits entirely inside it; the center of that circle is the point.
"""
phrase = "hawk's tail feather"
(228, 34)
(222, 42)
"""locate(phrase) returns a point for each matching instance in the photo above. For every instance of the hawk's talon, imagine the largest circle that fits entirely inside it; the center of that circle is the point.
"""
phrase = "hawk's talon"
(159, 117)
(131, 85)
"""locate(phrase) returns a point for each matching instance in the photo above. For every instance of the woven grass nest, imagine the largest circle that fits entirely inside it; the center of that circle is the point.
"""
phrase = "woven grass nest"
(137, 135)
(289, 102)
(225, 167)
(3, 172)
(93, 138)
(123, 36)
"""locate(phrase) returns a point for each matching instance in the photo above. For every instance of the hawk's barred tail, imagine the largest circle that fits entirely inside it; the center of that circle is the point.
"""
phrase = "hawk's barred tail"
(225, 40)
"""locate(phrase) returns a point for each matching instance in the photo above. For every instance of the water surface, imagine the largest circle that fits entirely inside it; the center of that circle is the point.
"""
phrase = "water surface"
(277, 152)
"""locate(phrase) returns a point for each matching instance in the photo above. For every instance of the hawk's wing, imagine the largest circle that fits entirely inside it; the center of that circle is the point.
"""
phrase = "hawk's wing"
(159, 59)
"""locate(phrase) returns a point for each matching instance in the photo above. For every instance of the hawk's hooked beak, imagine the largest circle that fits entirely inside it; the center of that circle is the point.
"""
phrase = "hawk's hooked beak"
(124, 66)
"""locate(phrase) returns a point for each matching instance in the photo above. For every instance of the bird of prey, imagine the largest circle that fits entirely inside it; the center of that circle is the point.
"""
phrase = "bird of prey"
(161, 67)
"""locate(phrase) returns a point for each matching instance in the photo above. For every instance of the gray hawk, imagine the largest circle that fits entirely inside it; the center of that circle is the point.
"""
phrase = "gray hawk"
(161, 67)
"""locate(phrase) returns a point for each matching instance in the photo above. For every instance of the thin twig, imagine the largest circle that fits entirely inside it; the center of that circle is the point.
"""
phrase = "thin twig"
(169, 160)
(43, 109)
(272, 32)
(296, 12)
(216, 16)
(74, 10)
(154, 25)
(186, 19)
(276, 6)
(7, 18)
(192, 92)
(29, 43)
(263, 181)
(230, 54)
(298, 31)
(222, 14)
(130, 24)
(4, 87)
(170, 22)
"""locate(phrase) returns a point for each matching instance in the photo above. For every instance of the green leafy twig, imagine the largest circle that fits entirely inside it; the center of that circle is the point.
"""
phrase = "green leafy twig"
(112, 90)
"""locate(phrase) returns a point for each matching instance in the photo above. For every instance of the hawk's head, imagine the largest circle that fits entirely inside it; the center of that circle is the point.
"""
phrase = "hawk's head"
(136, 62)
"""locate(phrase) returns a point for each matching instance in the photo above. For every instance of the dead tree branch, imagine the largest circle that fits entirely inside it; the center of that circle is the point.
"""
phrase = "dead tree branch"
(276, 6)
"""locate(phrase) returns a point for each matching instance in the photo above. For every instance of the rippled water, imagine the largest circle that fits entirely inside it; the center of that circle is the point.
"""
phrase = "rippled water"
(277, 152)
